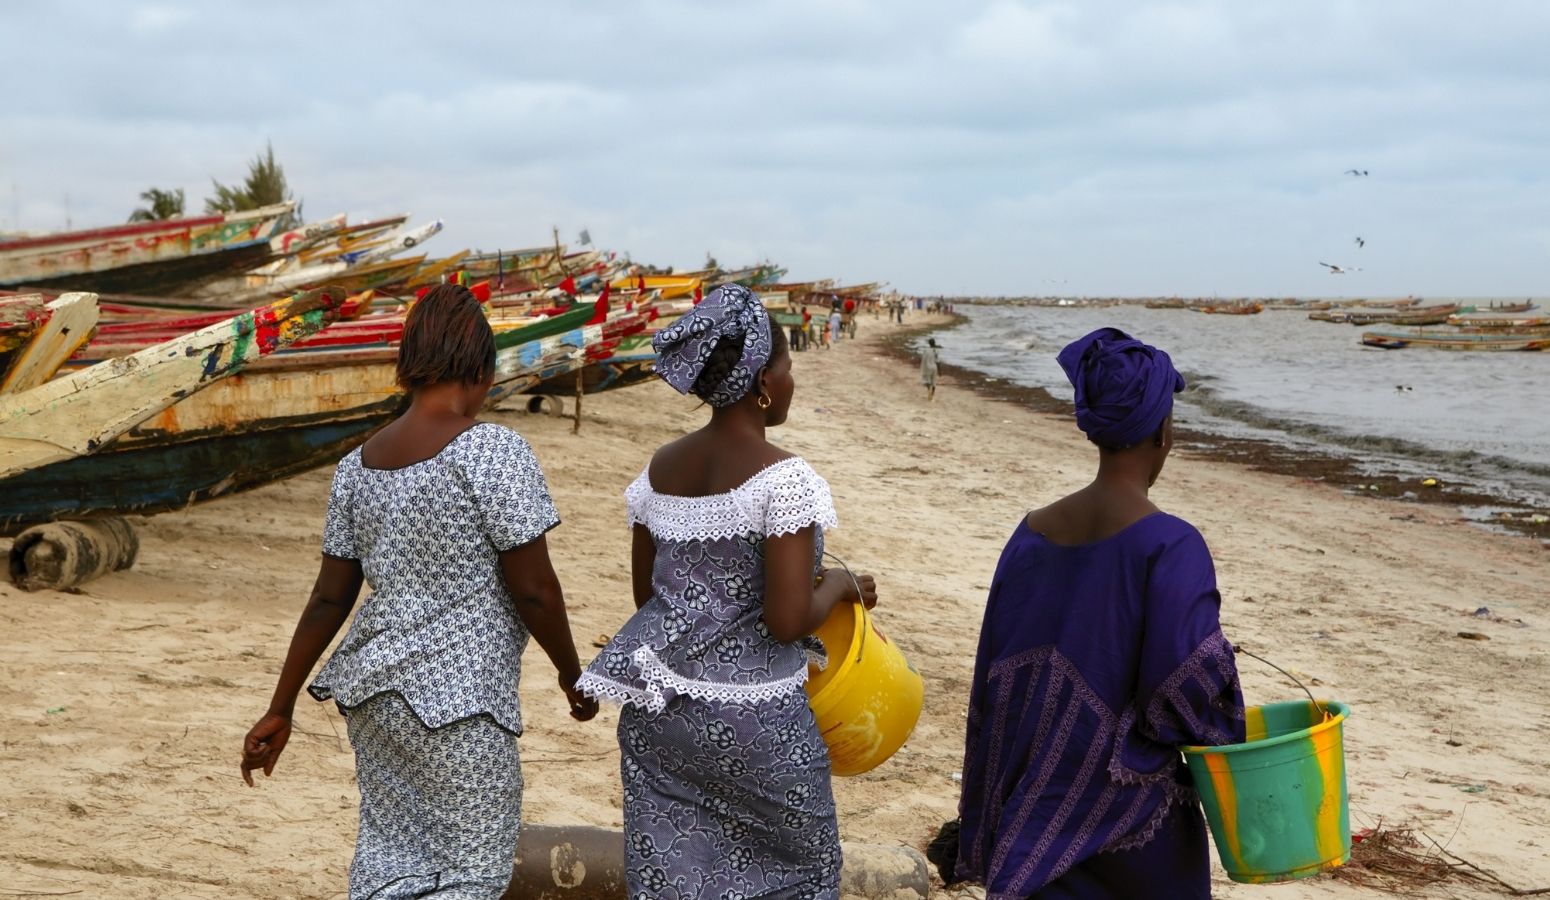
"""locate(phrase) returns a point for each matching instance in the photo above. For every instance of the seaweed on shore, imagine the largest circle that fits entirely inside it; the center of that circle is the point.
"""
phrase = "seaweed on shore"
(1395, 861)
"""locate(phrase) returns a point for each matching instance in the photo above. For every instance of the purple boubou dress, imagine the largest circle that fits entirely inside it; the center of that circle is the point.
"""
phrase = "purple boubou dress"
(1095, 663)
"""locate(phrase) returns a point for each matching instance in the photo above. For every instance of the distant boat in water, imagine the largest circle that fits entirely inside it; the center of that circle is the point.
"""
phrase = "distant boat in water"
(1231, 309)
(1456, 340)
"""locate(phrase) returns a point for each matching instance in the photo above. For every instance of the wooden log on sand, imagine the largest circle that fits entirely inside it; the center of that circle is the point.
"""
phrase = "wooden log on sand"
(578, 862)
(61, 555)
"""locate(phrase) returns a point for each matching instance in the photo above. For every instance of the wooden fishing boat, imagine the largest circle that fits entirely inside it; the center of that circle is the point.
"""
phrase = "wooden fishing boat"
(1425, 315)
(171, 257)
(1453, 340)
(370, 265)
(1482, 321)
(307, 235)
(626, 358)
(668, 286)
(290, 412)
(1231, 309)
(1507, 308)
(79, 413)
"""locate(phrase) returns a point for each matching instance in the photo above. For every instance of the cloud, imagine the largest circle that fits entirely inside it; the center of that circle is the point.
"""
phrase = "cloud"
(983, 146)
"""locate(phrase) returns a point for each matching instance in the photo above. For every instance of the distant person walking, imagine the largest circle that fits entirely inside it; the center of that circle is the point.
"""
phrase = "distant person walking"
(928, 368)
(835, 321)
(1100, 654)
(444, 518)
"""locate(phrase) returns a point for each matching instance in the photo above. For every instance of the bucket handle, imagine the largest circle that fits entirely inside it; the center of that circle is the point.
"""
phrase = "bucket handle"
(1236, 648)
(860, 645)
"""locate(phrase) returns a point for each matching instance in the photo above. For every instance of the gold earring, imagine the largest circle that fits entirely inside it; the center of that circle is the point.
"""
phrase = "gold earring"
(764, 400)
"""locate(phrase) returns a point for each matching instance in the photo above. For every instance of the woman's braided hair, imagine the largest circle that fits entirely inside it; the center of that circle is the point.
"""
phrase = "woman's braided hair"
(725, 356)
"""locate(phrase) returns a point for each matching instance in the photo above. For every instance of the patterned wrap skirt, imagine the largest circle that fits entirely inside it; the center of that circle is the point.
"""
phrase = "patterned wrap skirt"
(728, 801)
(440, 808)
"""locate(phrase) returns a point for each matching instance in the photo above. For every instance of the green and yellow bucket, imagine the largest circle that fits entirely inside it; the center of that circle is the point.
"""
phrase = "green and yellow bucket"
(1277, 802)
(868, 699)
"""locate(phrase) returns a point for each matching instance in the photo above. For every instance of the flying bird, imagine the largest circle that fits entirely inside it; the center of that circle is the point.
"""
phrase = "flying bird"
(1339, 270)
(1357, 172)
(1360, 243)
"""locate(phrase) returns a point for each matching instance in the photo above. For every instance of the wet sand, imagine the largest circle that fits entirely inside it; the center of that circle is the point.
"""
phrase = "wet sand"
(123, 705)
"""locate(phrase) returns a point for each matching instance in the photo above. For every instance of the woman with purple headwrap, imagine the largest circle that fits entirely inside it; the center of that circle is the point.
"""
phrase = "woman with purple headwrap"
(1099, 656)
(726, 779)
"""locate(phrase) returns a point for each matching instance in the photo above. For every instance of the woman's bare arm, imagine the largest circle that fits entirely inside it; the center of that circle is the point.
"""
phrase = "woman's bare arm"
(333, 596)
(643, 560)
(793, 607)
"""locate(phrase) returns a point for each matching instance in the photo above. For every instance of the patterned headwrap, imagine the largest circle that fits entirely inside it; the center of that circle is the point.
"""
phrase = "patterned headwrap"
(1124, 388)
(683, 348)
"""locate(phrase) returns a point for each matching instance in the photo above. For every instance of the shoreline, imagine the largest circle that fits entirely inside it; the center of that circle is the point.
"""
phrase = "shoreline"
(1326, 466)
(124, 703)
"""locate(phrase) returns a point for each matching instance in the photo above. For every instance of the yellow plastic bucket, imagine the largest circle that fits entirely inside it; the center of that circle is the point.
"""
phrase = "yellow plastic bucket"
(868, 698)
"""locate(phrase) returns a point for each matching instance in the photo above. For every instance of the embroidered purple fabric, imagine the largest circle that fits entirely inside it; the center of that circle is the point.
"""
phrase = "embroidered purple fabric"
(1095, 663)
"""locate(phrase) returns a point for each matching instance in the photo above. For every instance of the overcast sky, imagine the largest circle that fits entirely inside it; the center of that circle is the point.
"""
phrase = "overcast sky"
(967, 147)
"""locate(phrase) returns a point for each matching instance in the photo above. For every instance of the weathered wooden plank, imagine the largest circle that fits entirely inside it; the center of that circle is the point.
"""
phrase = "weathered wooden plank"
(68, 325)
(80, 412)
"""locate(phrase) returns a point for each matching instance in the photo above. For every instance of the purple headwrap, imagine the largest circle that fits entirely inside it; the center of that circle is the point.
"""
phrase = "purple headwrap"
(1124, 388)
(684, 347)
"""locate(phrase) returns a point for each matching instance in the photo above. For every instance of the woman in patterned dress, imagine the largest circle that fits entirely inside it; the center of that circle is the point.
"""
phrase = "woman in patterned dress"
(726, 779)
(444, 517)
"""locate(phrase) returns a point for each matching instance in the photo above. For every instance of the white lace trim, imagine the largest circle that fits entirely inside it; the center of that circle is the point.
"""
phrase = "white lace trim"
(781, 499)
(658, 677)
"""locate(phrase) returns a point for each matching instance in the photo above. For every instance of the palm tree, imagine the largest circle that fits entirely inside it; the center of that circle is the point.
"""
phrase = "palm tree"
(264, 186)
(160, 205)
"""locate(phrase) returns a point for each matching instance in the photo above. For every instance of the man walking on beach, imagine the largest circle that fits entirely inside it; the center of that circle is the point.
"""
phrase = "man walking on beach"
(928, 368)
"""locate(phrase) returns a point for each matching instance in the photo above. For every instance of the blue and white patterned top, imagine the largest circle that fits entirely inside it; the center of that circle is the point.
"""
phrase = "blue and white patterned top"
(439, 626)
(702, 634)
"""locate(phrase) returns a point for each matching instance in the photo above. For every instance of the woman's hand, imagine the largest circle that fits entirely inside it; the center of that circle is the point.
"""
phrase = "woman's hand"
(261, 748)
(582, 707)
(862, 587)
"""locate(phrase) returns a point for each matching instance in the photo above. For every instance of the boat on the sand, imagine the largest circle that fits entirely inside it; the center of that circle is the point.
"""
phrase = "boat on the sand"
(171, 257)
(79, 414)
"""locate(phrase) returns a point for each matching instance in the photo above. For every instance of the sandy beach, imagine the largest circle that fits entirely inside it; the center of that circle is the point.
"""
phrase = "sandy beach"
(123, 705)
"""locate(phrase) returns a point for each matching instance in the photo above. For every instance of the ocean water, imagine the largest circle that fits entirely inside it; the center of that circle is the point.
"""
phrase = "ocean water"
(1480, 418)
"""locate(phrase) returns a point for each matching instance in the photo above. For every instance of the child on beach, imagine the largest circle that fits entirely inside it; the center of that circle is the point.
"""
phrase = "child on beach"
(928, 368)
(726, 779)
(444, 517)
(1103, 614)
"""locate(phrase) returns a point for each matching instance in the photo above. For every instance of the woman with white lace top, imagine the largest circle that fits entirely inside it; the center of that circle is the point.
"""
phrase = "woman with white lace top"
(726, 779)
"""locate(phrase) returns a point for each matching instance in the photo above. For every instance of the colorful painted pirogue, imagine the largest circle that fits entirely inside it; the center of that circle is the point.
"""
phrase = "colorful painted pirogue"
(295, 411)
(69, 418)
(171, 257)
